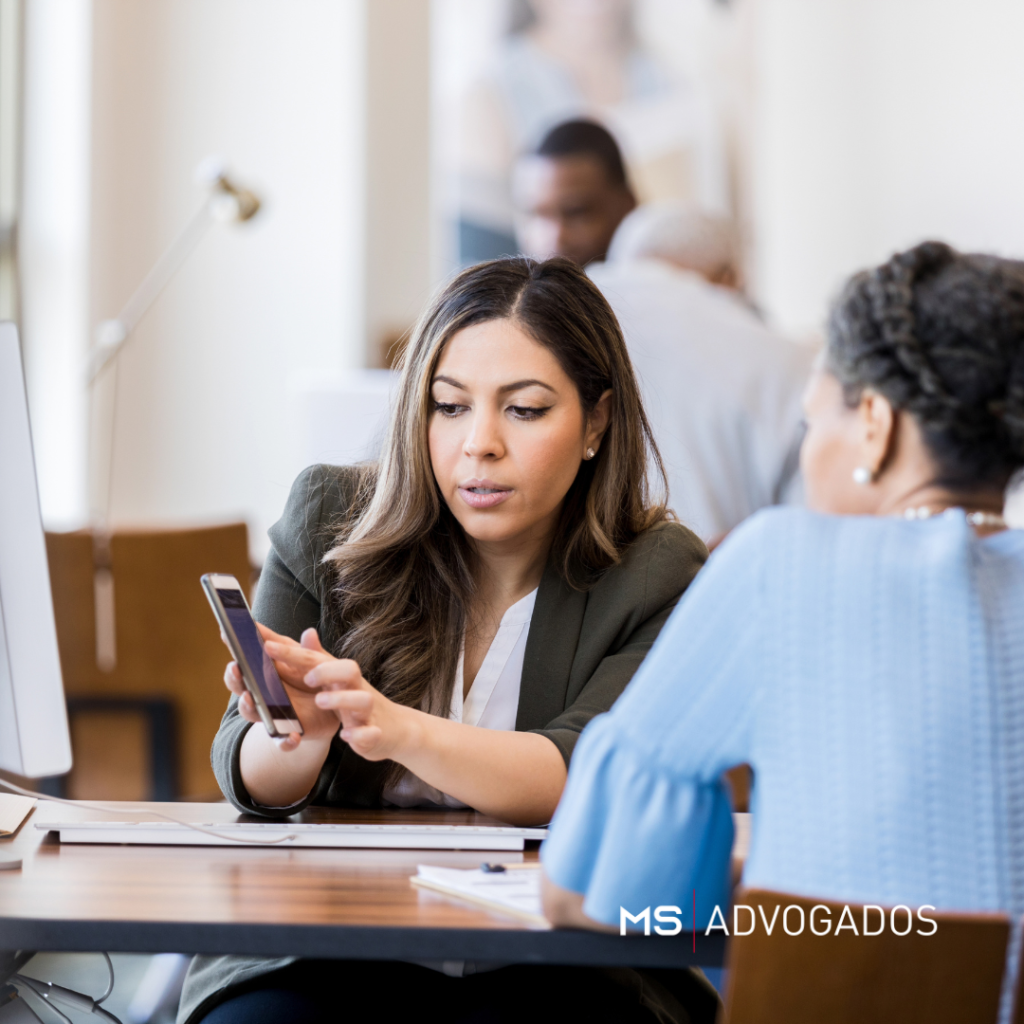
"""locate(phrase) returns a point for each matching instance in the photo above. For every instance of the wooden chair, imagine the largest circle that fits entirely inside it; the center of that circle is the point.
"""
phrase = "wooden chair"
(142, 724)
(949, 977)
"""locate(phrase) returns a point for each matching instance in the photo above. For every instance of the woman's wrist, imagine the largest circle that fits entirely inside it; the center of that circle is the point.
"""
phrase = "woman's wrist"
(277, 778)
(412, 733)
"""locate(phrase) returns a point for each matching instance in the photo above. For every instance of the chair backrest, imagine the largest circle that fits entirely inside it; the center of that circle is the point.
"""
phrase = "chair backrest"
(951, 974)
(167, 642)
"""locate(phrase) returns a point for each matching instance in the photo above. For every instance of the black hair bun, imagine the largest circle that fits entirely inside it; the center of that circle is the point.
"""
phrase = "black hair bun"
(941, 335)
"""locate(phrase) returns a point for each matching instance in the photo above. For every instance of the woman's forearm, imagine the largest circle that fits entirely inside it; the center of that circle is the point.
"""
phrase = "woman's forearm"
(517, 777)
(276, 778)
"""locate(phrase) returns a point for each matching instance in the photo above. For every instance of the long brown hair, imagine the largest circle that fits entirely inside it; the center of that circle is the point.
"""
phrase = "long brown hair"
(402, 563)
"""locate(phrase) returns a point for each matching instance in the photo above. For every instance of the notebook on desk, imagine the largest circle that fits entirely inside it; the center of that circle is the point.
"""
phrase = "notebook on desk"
(404, 835)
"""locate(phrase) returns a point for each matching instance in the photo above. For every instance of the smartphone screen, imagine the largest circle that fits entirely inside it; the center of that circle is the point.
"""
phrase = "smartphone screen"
(262, 668)
(242, 636)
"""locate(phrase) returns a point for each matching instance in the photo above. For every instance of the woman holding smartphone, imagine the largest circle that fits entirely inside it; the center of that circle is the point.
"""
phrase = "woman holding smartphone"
(447, 621)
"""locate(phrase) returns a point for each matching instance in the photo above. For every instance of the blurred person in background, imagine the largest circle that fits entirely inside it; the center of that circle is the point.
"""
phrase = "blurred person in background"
(560, 60)
(865, 658)
(722, 391)
(571, 194)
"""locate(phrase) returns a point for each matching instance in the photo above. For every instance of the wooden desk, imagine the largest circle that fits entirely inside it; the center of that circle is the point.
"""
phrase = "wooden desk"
(262, 901)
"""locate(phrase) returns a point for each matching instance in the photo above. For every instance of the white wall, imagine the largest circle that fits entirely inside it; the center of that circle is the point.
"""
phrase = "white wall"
(321, 106)
(278, 91)
(877, 124)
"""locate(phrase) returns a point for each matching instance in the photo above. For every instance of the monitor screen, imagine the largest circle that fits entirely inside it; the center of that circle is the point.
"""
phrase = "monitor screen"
(34, 738)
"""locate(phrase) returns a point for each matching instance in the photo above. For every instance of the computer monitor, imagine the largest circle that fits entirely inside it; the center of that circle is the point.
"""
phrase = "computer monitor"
(34, 737)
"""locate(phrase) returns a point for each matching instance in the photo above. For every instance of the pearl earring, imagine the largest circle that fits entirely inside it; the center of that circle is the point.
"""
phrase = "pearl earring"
(590, 453)
(863, 476)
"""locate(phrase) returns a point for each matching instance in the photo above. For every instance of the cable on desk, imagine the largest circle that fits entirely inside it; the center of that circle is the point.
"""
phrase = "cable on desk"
(110, 979)
(4, 784)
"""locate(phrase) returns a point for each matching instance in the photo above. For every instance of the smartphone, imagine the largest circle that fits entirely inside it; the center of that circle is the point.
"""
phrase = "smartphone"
(246, 645)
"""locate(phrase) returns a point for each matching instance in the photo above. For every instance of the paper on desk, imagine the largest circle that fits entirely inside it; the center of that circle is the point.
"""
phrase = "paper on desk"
(512, 892)
(13, 811)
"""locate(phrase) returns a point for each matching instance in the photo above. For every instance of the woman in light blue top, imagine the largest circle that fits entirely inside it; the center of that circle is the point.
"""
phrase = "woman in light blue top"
(866, 658)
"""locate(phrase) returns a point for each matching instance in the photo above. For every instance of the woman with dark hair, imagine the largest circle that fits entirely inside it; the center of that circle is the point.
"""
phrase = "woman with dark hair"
(447, 621)
(866, 658)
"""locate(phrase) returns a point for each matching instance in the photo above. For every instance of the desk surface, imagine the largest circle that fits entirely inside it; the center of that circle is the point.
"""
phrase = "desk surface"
(351, 904)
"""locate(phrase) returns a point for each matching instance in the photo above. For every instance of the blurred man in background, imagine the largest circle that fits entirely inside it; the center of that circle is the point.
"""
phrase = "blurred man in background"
(722, 392)
(571, 194)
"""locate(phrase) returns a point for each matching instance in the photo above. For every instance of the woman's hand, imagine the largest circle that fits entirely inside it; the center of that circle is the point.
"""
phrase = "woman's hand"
(373, 726)
(471, 764)
(292, 661)
(279, 772)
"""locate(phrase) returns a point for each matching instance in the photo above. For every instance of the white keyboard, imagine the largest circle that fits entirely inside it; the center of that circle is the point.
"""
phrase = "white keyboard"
(290, 834)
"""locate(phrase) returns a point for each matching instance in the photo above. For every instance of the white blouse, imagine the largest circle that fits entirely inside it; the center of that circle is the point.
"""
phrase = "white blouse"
(492, 701)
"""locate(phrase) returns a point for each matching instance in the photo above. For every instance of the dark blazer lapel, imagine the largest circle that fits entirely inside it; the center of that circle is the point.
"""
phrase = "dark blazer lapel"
(550, 650)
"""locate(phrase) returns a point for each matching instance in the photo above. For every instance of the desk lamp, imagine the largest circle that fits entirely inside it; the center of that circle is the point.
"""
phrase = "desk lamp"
(226, 202)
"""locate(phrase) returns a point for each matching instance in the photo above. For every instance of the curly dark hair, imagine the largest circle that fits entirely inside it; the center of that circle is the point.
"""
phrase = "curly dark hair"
(940, 334)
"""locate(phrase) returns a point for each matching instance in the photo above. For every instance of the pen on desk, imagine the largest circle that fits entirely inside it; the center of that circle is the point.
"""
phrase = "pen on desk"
(497, 869)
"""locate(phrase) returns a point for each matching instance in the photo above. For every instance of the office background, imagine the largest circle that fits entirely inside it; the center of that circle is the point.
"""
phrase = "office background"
(853, 127)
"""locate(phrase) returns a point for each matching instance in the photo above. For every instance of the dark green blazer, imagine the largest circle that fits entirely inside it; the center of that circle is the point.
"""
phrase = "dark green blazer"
(581, 651)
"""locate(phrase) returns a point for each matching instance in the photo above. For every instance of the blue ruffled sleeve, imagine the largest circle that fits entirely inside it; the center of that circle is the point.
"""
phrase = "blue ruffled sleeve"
(645, 819)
